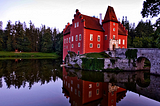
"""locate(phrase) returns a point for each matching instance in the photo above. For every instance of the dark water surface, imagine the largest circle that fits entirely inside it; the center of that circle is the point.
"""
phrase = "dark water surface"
(45, 83)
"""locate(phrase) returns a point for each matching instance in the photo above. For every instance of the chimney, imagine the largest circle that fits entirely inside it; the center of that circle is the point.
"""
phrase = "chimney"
(100, 18)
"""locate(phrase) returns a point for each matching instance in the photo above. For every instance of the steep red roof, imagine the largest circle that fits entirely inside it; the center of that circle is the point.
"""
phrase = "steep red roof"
(110, 15)
(92, 23)
(122, 30)
(67, 30)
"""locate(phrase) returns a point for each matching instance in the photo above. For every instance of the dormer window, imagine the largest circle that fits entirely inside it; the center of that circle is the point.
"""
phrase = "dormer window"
(74, 25)
(77, 24)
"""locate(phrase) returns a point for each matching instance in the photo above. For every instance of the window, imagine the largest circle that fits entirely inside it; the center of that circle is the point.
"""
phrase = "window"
(119, 41)
(78, 52)
(119, 47)
(77, 85)
(71, 89)
(79, 44)
(71, 81)
(77, 24)
(74, 25)
(98, 38)
(69, 39)
(91, 45)
(105, 37)
(79, 93)
(114, 24)
(79, 37)
(76, 37)
(97, 84)
(64, 41)
(91, 37)
(98, 45)
(75, 91)
(72, 38)
(72, 45)
(113, 29)
(113, 37)
(68, 85)
(123, 41)
(90, 94)
(90, 85)
(97, 92)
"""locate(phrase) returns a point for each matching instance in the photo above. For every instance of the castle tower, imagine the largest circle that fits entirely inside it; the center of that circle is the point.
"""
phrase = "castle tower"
(110, 25)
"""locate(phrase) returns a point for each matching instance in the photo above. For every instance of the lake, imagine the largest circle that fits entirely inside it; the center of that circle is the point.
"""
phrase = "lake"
(44, 83)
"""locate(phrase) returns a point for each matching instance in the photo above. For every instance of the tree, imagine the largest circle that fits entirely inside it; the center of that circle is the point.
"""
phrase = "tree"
(150, 7)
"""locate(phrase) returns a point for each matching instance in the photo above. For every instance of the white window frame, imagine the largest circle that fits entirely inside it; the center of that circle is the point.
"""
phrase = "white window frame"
(76, 37)
(91, 37)
(79, 44)
(72, 38)
(72, 46)
(119, 41)
(114, 37)
(99, 38)
(98, 45)
(90, 45)
(90, 94)
(123, 41)
(77, 24)
(105, 37)
(80, 37)
(69, 39)
(113, 29)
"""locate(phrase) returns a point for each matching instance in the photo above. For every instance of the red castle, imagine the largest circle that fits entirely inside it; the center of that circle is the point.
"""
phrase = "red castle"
(89, 34)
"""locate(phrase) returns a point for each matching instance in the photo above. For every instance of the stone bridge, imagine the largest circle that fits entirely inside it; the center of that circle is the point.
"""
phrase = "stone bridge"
(152, 54)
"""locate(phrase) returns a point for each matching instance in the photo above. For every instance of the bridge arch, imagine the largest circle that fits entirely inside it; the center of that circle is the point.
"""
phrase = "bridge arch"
(143, 63)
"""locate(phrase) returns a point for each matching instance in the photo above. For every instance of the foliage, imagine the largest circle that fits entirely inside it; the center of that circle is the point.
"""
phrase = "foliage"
(151, 7)
(18, 37)
(97, 55)
(112, 60)
(131, 53)
(92, 64)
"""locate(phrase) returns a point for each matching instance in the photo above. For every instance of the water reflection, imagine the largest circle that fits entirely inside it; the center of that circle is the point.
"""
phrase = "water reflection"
(19, 72)
(84, 92)
(106, 88)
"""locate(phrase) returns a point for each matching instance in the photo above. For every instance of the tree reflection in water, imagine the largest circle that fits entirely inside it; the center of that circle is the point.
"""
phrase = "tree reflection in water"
(19, 72)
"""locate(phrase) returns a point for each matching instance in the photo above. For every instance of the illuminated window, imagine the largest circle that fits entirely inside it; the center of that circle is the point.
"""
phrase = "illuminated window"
(79, 37)
(91, 37)
(123, 42)
(105, 37)
(90, 94)
(98, 45)
(76, 37)
(91, 45)
(98, 38)
(113, 37)
(79, 44)
(113, 29)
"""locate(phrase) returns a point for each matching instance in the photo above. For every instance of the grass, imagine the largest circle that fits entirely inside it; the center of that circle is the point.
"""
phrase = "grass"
(26, 55)
(97, 55)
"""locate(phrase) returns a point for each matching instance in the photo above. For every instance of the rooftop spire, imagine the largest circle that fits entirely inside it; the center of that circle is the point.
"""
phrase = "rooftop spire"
(110, 15)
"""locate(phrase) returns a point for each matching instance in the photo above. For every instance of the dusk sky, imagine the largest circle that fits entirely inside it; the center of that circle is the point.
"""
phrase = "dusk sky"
(57, 13)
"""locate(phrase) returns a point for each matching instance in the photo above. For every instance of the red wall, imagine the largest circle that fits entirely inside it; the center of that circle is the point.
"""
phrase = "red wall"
(122, 37)
(66, 46)
(95, 41)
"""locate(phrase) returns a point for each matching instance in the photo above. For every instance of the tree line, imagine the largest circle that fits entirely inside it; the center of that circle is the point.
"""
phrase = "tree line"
(18, 37)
